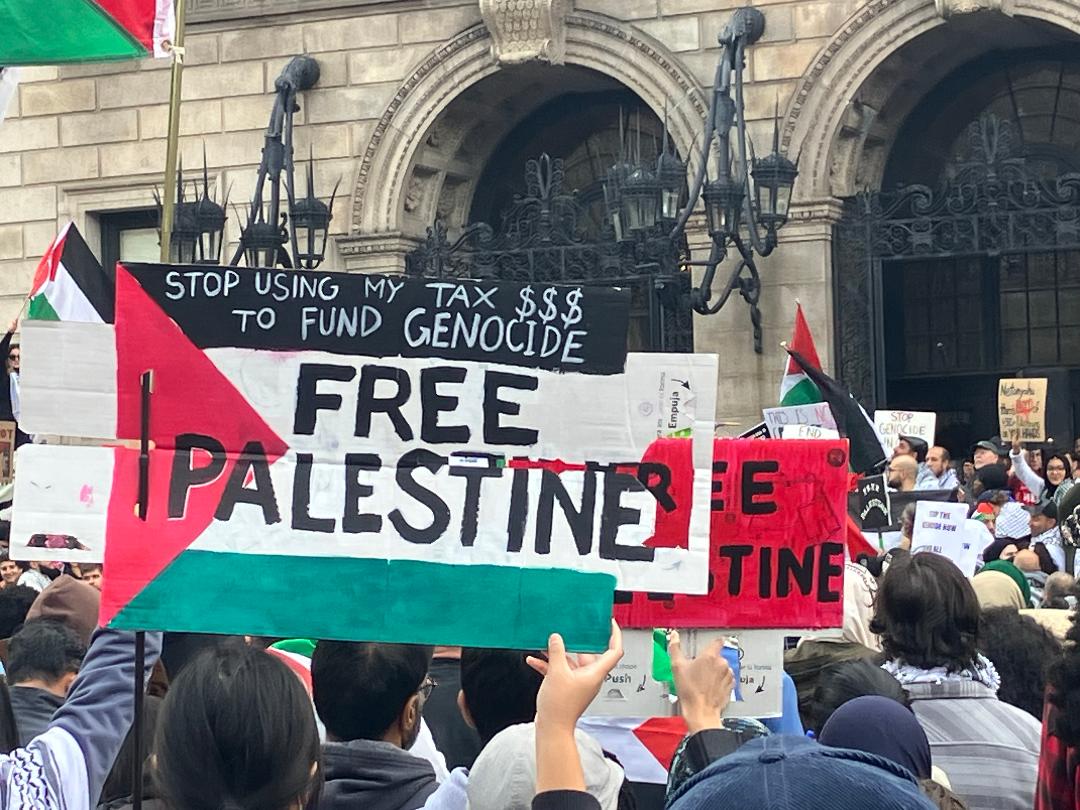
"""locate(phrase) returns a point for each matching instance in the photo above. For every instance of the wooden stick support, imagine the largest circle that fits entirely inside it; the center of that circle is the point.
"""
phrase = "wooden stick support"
(147, 382)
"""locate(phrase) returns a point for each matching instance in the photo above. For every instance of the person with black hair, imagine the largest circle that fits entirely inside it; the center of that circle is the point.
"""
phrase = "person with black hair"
(10, 571)
(498, 690)
(1052, 482)
(1022, 650)
(847, 680)
(927, 615)
(370, 698)
(14, 604)
(43, 660)
(236, 731)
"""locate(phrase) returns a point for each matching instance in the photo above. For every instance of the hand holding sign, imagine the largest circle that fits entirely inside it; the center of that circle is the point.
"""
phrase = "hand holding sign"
(571, 685)
(704, 684)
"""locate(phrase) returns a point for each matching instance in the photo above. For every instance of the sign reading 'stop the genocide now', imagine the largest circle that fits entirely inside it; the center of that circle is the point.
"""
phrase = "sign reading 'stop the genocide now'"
(373, 457)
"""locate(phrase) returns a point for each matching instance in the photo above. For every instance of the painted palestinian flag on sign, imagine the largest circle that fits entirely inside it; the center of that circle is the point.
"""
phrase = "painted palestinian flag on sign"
(366, 457)
(48, 32)
(796, 388)
(69, 284)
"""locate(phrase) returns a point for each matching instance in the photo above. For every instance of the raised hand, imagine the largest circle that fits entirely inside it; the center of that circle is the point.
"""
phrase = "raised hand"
(704, 684)
(571, 684)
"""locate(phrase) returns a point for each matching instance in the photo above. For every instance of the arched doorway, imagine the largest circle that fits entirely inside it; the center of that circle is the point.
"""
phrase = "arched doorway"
(519, 194)
(967, 263)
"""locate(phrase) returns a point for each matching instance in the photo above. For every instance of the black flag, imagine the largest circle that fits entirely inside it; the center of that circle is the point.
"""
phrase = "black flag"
(867, 454)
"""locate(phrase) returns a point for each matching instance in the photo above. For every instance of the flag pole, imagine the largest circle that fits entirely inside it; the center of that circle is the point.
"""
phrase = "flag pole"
(172, 147)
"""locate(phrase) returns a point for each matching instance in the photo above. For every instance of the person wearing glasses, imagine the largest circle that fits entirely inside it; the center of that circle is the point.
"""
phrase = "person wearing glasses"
(370, 697)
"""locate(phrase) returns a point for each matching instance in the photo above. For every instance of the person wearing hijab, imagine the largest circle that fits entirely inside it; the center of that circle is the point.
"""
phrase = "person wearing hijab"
(880, 725)
(996, 589)
(807, 661)
(1015, 574)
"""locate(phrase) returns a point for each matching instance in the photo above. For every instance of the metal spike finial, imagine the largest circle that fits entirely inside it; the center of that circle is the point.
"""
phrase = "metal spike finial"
(776, 127)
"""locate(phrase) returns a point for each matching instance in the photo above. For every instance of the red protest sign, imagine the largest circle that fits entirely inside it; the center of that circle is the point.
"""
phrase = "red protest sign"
(776, 556)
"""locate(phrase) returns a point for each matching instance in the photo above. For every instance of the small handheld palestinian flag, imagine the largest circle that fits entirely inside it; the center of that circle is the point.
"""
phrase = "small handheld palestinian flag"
(796, 388)
(48, 32)
(70, 285)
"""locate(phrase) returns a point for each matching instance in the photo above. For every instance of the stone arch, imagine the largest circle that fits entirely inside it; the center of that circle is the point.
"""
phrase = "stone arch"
(593, 41)
(832, 122)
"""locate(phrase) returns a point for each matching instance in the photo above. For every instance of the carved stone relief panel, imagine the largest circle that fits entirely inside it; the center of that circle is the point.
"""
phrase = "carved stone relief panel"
(524, 30)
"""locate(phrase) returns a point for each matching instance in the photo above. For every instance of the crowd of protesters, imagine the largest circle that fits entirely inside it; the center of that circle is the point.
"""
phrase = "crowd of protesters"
(939, 691)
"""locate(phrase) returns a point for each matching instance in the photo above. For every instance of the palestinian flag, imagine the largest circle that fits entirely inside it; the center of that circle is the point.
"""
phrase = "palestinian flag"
(644, 746)
(48, 32)
(795, 387)
(70, 285)
(868, 456)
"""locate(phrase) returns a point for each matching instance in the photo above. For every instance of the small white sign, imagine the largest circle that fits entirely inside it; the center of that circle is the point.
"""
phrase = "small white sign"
(809, 432)
(891, 425)
(817, 414)
(943, 529)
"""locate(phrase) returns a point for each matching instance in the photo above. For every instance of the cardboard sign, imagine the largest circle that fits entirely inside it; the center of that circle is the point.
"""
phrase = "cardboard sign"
(1022, 409)
(467, 463)
(818, 414)
(891, 425)
(874, 514)
(7, 452)
(809, 432)
(777, 547)
(940, 528)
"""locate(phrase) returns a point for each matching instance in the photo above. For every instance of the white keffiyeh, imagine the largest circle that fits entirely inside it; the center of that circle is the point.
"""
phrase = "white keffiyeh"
(982, 671)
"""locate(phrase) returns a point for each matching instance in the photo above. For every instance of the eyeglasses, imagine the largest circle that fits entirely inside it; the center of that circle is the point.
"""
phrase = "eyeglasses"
(427, 687)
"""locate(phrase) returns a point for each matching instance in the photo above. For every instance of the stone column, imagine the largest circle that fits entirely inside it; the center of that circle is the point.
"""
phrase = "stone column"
(375, 253)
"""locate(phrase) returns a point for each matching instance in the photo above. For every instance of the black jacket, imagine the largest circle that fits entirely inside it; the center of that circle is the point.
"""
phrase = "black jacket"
(372, 775)
(33, 709)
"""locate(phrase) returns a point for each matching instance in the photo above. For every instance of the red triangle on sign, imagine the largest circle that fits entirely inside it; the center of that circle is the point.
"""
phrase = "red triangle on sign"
(661, 736)
(190, 396)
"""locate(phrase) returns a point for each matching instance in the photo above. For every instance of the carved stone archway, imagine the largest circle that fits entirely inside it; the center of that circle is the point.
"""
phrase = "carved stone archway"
(598, 43)
(835, 118)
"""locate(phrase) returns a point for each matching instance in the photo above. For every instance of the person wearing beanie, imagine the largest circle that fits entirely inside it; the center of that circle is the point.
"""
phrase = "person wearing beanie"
(504, 775)
(927, 615)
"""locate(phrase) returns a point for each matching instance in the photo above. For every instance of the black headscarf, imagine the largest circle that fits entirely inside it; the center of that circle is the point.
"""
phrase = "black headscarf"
(880, 725)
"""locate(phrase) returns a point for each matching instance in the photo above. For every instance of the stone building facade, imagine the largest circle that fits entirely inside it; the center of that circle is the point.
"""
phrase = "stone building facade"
(418, 99)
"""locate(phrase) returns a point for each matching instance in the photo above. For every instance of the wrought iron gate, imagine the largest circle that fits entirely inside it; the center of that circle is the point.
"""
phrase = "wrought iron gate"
(542, 239)
(992, 202)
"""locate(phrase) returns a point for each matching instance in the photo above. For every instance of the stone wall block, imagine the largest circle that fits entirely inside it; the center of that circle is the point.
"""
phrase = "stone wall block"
(99, 127)
(143, 157)
(134, 89)
(349, 103)
(677, 33)
(259, 43)
(196, 118)
(438, 25)
(11, 242)
(10, 169)
(53, 165)
(28, 203)
(49, 98)
(351, 34)
(223, 81)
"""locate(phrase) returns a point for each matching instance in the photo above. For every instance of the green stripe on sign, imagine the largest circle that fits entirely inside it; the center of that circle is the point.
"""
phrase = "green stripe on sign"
(41, 310)
(375, 600)
(65, 31)
(804, 392)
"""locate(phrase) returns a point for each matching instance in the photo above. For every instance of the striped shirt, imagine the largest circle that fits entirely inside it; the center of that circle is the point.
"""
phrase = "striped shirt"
(988, 748)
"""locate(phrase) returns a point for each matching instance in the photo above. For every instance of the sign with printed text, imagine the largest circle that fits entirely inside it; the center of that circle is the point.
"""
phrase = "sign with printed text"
(777, 542)
(891, 425)
(469, 463)
(817, 414)
(874, 509)
(1022, 409)
(941, 528)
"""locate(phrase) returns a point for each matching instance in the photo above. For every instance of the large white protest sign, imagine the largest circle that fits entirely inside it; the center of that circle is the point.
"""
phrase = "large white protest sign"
(891, 425)
(817, 414)
(468, 434)
(942, 528)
